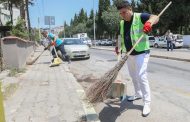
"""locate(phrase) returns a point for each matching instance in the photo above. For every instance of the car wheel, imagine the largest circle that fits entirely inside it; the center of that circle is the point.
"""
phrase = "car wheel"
(156, 45)
(88, 58)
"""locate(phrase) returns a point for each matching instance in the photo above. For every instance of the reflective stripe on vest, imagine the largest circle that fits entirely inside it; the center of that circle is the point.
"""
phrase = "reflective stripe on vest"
(135, 33)
(122, 36)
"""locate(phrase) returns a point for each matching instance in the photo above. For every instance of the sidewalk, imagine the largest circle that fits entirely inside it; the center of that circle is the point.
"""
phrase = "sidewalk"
(47, 94)
(177, 54)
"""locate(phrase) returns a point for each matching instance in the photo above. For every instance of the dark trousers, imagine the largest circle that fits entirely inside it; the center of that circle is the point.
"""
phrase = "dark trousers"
(64, 57)
(169, 45)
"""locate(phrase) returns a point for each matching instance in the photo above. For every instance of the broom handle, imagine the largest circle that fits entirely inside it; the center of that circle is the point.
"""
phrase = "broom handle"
(151, 24)
(55, 51)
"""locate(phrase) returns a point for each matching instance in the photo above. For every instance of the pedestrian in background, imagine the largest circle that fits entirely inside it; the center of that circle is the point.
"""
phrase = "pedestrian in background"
(170, 40)
(132, 27)
(58, 43)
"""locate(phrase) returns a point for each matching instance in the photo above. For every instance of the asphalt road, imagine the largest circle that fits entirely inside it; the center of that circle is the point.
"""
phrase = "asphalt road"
(169, 81)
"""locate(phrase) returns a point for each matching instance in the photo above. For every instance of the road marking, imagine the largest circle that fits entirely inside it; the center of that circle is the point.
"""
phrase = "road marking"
(2, 115)
(91, 115)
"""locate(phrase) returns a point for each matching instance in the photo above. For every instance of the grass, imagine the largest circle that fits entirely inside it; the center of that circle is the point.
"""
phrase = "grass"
(9, 90)
(14, 71)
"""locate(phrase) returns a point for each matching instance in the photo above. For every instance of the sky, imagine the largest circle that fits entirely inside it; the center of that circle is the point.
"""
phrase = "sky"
(63, 10)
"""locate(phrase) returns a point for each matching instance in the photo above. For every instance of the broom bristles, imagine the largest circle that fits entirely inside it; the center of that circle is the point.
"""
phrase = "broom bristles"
(98, 91)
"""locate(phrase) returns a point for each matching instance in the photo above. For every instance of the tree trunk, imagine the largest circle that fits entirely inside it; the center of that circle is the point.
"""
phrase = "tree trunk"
(22, 11)
(28, 19)
(11, 10)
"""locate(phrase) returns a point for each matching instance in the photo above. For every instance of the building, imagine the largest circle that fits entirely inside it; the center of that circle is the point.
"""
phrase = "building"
(5, 14)
(6, 17)
(57, 30)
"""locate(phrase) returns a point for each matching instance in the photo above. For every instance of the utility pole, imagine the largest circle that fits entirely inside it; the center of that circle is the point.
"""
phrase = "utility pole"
(39, 28)
(49, 24)
(94, 25)
(64, 29)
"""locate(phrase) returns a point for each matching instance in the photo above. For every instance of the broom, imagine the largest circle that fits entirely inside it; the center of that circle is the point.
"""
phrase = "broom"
(30, 62)
(98, 91)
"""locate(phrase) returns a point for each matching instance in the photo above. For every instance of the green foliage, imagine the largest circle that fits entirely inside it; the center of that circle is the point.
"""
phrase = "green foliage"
(8, 23)
(80, 28)
(19, 29)
(106, 4)
(111, 19)
(35, 35)
(82, 16)
(14, 71)
(175, 18)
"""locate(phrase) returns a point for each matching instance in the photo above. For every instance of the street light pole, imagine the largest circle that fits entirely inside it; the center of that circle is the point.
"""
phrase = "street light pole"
(64, 29)
(39, 28)
(94, 25)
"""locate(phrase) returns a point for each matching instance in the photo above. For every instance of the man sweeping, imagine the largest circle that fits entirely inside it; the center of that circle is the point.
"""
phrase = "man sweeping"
(132, 27)
(58, 43)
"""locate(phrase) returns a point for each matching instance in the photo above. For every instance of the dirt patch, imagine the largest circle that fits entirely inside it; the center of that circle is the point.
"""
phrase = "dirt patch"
(86, 80)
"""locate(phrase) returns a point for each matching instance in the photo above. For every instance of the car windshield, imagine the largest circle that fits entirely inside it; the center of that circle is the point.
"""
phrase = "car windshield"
(179, 37)
(151, 38)
(73, 42)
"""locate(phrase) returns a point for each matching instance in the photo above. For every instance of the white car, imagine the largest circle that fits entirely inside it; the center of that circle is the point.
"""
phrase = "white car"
(75, 48)
(87, 41)
(151, 40)
(162, 42)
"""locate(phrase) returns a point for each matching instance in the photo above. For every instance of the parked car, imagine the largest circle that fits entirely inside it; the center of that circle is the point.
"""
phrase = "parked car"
(76, 48)
(109, 43)
(106, 42)
(162, 42)
(98, 42)
(151, 40)
(103, 42)
(178, 40)
(87, 41)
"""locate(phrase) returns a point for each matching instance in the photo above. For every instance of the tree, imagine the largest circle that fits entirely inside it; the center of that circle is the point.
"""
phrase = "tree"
(82, 16)
(175, 18)
(90, 24)
(111, 19)
(80, 28)
(100, 24)
(106, 5)
(20, 30)
(28, 17)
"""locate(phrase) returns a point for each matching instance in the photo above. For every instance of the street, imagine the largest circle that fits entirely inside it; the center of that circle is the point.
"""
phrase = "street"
(169, 81)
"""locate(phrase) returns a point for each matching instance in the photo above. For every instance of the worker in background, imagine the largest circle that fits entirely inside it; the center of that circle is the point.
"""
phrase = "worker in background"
(170, 40)
(58, 43)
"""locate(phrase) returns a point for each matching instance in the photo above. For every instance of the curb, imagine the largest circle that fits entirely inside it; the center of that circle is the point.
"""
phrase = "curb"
(90, 113)
(152, 55)
(172, 58)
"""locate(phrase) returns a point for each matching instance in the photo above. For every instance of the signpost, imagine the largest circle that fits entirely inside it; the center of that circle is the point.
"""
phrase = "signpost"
(49, 20)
